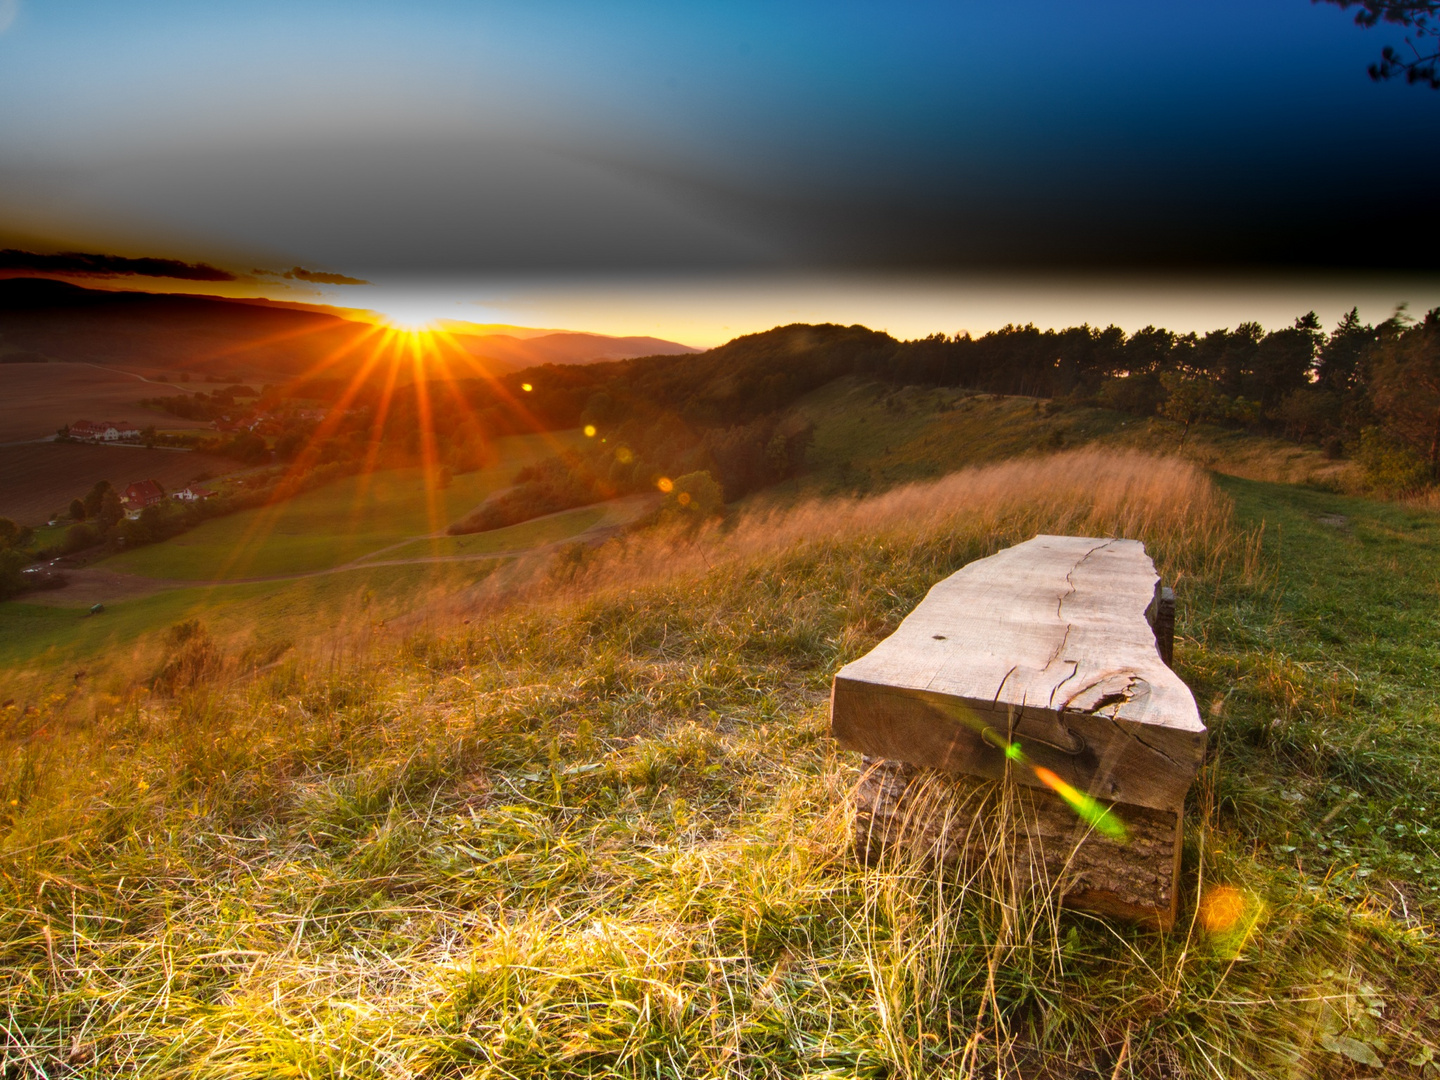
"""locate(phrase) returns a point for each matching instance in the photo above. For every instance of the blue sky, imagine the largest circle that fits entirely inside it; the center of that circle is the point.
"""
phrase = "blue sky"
(421, 141)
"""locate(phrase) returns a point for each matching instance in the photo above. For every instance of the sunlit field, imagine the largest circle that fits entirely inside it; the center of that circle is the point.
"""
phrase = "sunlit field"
(588, 823)
(43, 646)
(336, 524)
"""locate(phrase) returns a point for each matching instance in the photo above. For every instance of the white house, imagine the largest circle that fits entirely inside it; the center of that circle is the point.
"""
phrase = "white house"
(104, 430)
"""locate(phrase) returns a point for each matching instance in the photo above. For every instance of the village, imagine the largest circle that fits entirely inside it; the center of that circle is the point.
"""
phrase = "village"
(137, 495)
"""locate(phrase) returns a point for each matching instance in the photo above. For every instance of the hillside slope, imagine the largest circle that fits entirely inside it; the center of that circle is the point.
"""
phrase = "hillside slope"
(209, 335)
(595, 827)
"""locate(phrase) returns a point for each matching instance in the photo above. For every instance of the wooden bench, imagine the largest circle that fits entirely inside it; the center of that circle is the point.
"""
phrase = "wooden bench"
(1046, 665)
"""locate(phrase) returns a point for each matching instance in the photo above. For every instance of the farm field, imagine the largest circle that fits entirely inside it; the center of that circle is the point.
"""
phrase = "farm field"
(388, 515)
(36, 399)
(39, 478)
(43, 637)
(333, 525)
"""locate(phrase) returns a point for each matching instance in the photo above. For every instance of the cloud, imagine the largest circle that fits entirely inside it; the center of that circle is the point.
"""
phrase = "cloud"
(90, 265)
(387, 208)
(321, 277)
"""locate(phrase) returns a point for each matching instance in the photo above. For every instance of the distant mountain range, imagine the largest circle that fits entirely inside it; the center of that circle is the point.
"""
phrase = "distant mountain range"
(164, 333)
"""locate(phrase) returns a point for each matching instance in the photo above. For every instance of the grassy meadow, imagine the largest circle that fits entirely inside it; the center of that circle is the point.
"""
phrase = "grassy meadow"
(870, 436)
(335, 524)
(42, 647)
(386, 517)
(590, 824)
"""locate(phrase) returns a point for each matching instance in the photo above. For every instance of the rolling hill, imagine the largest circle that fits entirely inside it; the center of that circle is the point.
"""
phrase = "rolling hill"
(43, 319)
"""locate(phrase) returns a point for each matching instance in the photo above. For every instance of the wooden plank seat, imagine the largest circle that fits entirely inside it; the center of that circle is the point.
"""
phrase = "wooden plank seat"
(1044, 665)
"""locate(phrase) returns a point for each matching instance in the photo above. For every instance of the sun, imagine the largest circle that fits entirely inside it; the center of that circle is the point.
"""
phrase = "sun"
(410, 324)
(410, 315)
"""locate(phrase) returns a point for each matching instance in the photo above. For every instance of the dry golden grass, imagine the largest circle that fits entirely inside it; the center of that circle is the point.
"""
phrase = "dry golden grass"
(597, 829)
(1168, 501)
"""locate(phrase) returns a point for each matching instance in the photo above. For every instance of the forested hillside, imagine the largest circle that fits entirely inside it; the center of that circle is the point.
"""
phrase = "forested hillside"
(1371, 392)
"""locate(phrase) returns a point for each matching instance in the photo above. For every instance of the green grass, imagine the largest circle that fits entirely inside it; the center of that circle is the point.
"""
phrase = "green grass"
(527, 534)
(604, 833)
(49, 535)
(870, 436)
(332, 525)
(38, 642)
(1328, 691)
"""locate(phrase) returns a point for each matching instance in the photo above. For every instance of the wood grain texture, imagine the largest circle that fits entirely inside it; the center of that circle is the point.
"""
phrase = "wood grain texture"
(1047, 644)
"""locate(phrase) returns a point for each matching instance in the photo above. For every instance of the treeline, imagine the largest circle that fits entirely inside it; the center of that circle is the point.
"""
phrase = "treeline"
(15, 555)
(201, 405)
(1369, 391)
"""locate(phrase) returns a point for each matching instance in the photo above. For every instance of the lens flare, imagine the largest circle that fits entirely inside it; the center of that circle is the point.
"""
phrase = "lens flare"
(1229, 916)
(526, 387)
(1090, 810)
(1222, 908)
(589, 431)
(383, 361)
(665, 484)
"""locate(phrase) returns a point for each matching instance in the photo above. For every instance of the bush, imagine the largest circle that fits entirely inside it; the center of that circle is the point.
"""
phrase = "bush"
(1388, 464)
(13, 535)
(12, 563)
(1138, 394)
(552, 485)
(695, 495)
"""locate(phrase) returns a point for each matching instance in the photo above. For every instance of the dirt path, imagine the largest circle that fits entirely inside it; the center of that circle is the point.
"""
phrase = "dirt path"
(94, 585)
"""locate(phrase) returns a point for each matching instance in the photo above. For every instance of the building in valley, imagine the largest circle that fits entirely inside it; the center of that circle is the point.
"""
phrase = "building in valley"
(142, 493)
(103, 430)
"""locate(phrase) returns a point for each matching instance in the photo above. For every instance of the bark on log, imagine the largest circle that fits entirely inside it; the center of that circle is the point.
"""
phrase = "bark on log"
(1030, 836)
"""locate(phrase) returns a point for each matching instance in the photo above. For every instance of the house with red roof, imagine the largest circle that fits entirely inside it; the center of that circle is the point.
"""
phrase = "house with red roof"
(104, 430)
(142, 493)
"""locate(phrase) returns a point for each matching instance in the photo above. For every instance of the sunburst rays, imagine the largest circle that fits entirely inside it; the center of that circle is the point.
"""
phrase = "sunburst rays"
(433, 365)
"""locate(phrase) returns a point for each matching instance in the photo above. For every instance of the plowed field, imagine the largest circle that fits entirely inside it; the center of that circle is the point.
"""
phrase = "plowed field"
(36, 478)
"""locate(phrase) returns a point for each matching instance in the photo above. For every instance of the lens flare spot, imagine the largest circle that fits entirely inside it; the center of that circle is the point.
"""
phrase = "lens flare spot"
(665, 484)
(623, 455)
(1222, 908)
(1091, 811)
(1014, 753)
(683, 498)
(589, 431)
(526, 387)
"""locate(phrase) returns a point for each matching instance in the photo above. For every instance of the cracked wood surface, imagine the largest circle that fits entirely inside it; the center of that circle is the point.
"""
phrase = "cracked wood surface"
(1047, 644)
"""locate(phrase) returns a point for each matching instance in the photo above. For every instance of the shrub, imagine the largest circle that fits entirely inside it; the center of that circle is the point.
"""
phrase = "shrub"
(1389, 465)
(695, 496)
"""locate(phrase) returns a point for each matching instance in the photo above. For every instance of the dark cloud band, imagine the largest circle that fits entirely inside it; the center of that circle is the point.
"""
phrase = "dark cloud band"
(321, 277)
(91, 265)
